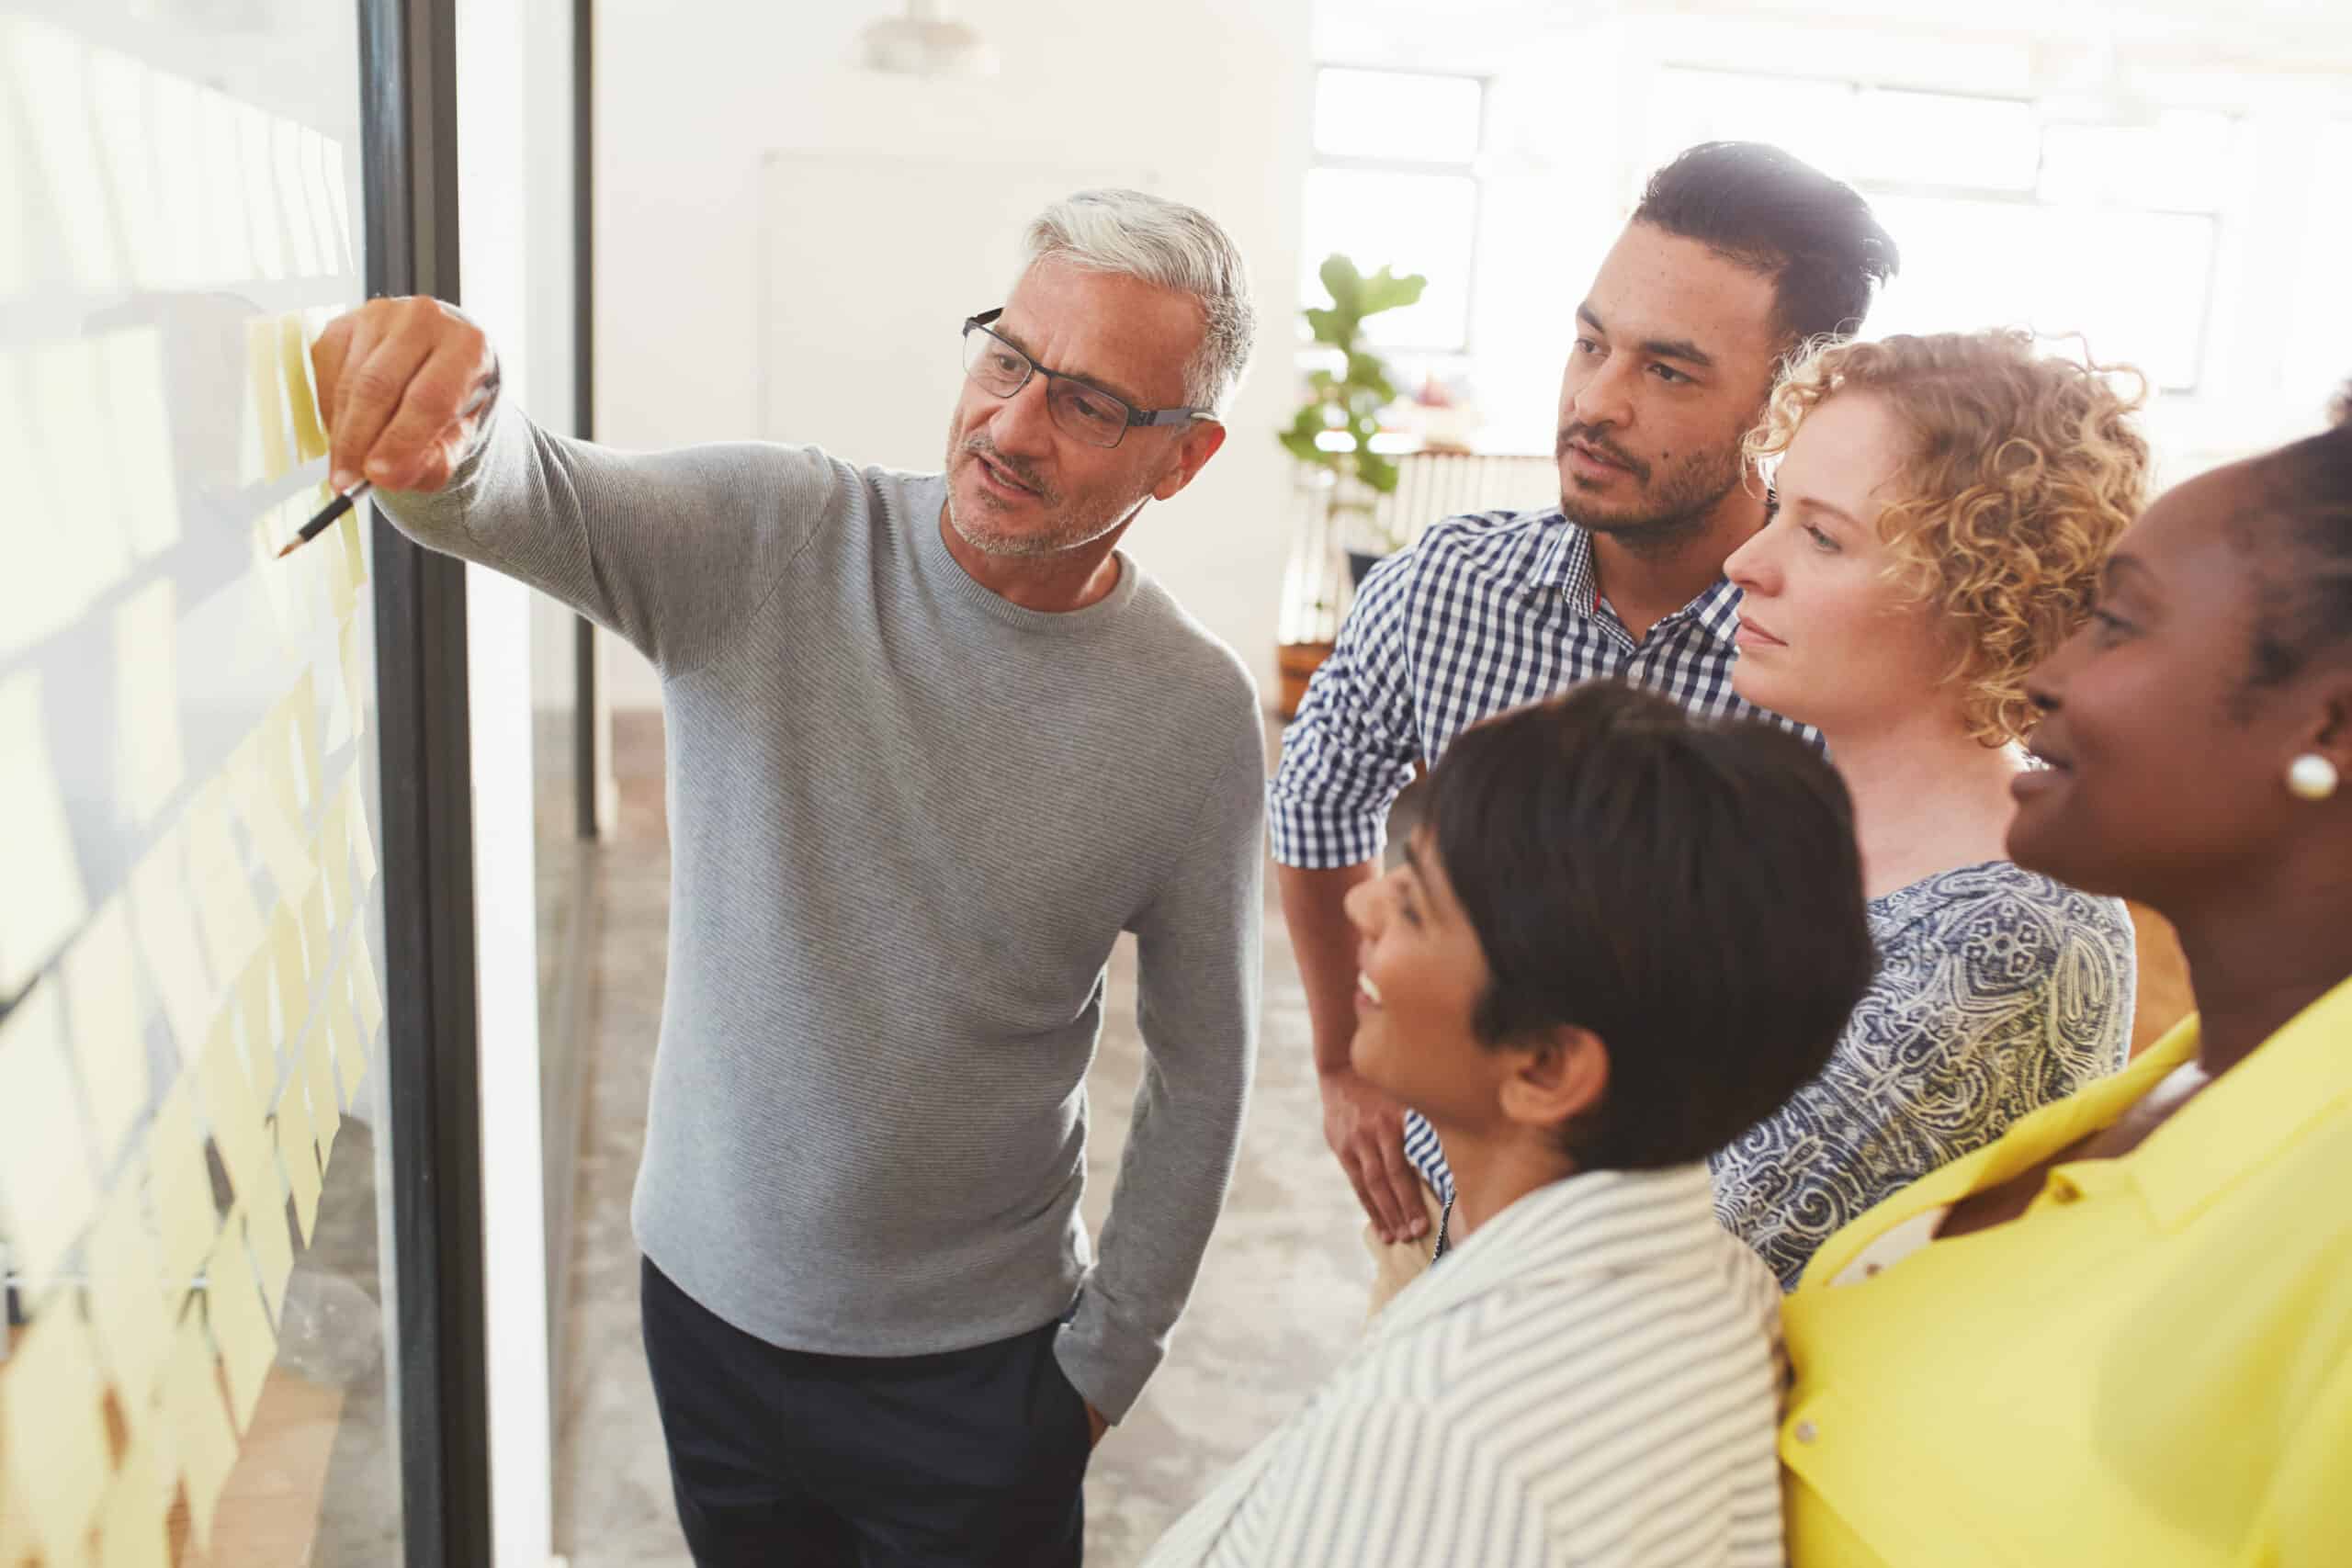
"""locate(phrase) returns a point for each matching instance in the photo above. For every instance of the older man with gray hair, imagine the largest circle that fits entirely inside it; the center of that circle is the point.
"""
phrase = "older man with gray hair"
(935, 743)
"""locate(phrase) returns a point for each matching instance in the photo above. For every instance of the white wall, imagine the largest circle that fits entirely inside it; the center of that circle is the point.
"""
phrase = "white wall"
(1214, 95)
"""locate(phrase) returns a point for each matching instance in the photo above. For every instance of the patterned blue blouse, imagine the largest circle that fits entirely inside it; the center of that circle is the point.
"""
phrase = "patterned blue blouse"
(1998, 991)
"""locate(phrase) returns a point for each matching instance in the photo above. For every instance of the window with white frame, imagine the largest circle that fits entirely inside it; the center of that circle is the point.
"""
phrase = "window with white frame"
(2003, 216)
(2319, 335)
(1395, 182)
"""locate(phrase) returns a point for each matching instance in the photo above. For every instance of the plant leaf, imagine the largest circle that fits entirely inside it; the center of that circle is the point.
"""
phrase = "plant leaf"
(1377, 471)
(1385, 291)
(1343, 282)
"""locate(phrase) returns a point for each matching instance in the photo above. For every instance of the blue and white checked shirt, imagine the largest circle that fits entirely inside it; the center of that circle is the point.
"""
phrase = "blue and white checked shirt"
(1488, 612)
(1593, 1378)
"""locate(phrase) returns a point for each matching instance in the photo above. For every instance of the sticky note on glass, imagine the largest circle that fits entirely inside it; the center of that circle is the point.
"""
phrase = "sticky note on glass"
(273, 1248)
(365, 991)
(227, 912)
(293, 967)
(51, 1397)
(185, 1217)
(139, 423)
(294, 358)
(362, 844)
(276, 836)
(350, 1052)
(131, 1531)
(54, 573)
(240, 1329)
(108, 1025)
(325, 1108)
(340, 553)
(45, 1165)
(164, 920)
(268, 412)
(50, 71)
(129, 1294)
(297, 1152)
(45, 899)
(234, 1114)
(149, 759)
(202, 1444)
(318, 931)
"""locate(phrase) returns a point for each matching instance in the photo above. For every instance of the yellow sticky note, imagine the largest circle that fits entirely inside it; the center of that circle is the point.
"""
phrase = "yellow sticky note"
(45, 1165)
(275, 836)
(131, 1532)
(318, 1076)
(318, 931)
(232, 1310)
(138, 427)
(54, 573)
(255, 989)
(365, 991)
(273, 1248)
(334, 858)
(184, 1211)
(354, 653)
(52, 74)
(202, 1444)
(268, 409)
(310, 440)
(293, 971)
(149, 759)
(108, 1025)
(286, 169)
(45, 899)
(298, 1152)
(52, 1396)
(226, 911)
(350, 1050)
(129, 1293)
(343, 563)
(287, 592)
(165, 921)
(362, 844)
(234, 1114)
(301, 705)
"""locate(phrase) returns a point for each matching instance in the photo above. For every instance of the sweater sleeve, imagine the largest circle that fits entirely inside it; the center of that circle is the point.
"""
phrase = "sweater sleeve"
(669, 550)
(1200, 952)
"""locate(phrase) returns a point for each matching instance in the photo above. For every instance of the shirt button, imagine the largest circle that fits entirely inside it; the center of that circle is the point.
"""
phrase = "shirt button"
(1806, 1431)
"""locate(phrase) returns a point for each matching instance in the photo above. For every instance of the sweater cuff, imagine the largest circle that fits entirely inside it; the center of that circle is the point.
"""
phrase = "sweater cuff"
(1107, 1364)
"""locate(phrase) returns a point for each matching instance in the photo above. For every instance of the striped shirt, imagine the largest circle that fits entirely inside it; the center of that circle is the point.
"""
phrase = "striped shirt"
(1594, 1379)
(1488, 612)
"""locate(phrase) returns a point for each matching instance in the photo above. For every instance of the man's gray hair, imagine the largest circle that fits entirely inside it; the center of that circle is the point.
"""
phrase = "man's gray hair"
(1174, 246)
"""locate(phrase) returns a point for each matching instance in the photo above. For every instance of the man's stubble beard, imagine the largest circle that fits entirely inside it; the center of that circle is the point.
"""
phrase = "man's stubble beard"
(1068, 529)
(1677, 510)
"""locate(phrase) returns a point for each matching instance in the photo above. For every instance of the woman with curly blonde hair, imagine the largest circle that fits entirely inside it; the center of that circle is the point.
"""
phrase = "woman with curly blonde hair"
(1944, 506)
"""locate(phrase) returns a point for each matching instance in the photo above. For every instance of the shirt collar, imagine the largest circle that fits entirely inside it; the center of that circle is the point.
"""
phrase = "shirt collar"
(1602, 1222)
(1564, 564)
(2297, 1078)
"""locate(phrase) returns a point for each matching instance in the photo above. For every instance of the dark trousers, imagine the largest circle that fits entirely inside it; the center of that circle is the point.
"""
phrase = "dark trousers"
(783, 1458)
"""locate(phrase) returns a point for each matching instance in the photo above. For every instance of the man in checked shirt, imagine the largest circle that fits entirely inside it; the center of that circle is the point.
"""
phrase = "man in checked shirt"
(1738, 254)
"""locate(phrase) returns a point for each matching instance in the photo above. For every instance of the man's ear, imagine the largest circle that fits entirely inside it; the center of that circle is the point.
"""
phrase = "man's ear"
(1557, 1077)
(1199, 444)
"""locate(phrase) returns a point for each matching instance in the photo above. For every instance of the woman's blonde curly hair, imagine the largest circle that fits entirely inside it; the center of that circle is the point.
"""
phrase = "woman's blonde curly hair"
(2024, 469)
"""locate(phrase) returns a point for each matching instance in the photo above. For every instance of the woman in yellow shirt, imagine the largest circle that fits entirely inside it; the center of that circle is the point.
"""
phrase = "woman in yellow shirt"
(2122, 1333)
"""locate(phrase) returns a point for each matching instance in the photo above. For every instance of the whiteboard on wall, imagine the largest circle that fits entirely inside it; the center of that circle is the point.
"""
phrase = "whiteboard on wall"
(868, 264)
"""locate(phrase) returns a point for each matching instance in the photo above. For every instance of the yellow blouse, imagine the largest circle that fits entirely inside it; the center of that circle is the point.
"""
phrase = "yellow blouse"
(2152, 1365)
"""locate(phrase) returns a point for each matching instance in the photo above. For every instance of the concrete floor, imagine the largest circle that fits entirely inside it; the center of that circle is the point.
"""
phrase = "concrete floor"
(1280, 1296)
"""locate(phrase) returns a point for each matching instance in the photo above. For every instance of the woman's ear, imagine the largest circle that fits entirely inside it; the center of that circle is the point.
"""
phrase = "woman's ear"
(1557, 1077)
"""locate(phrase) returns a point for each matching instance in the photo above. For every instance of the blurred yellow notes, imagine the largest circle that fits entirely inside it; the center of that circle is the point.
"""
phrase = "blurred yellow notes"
(273, 1252)
(129, 1293)
(334, 856)
(369, 995)
(149, 760)
(224, 893)
(276, 835)
(298, 1149)
(354, 671)
(294, 358)
(183, 1185)
(361, 844)
(131, 1532)
(55, 571)
(239, 1325)
(139, 431)
(350, 1052)
(45, 899)
(166, 922)
(341, 554)
(318, 1076)
(50, 71)
(234, 1114)
(53, 1398)
(45, 1165)
(202, 1445)
(293, 970)
(318, 933)
(102, 999)
(268, 412)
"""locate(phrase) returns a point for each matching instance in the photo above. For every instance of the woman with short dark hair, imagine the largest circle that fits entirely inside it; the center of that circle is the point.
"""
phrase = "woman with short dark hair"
(1621, 935)
(2123, 1333)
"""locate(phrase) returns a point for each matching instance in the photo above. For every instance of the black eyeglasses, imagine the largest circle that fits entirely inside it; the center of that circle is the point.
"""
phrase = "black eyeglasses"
(1082, 412)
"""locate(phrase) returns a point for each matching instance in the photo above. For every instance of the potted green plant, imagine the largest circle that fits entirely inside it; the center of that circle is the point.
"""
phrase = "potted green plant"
(1332, 433)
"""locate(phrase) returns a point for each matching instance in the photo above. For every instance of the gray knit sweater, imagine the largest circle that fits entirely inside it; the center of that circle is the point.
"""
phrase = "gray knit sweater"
(909, 821)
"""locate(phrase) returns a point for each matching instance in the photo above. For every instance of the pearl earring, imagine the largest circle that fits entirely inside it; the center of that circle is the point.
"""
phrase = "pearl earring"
(2311, 777)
